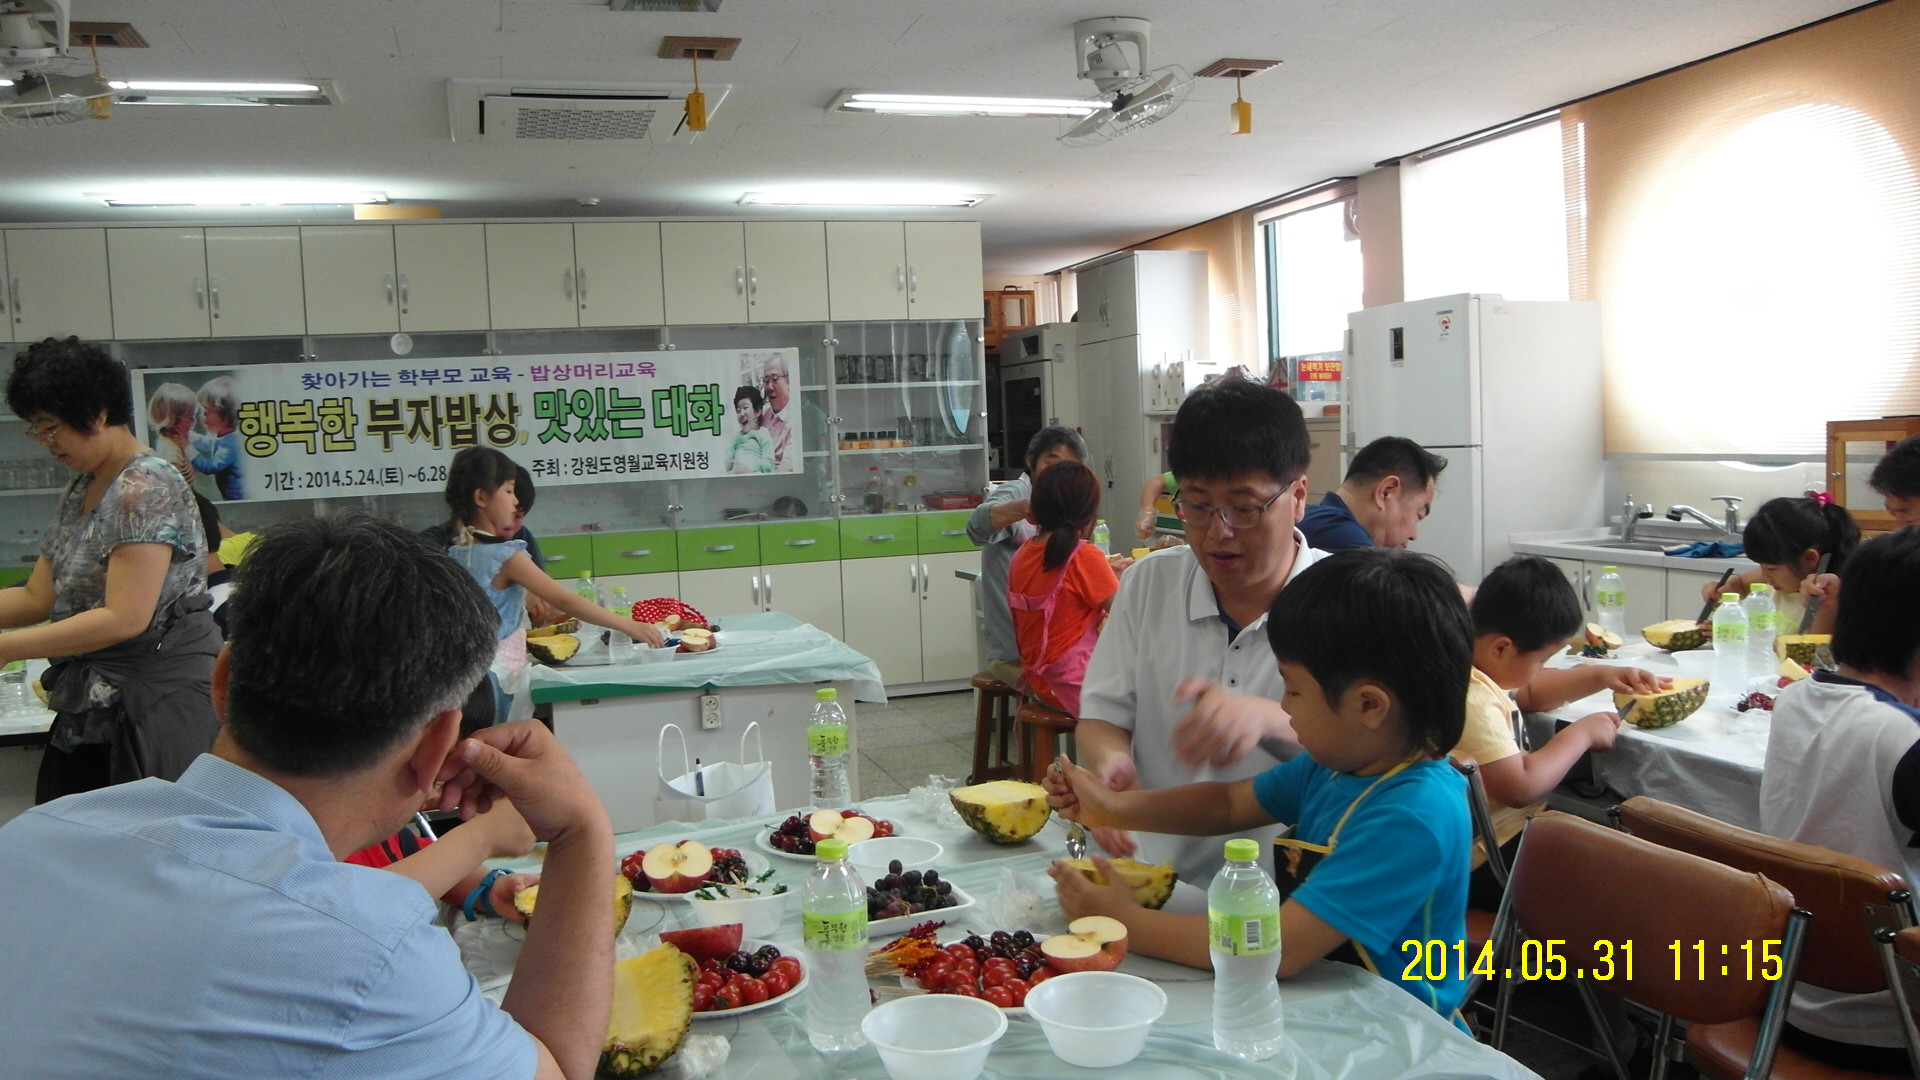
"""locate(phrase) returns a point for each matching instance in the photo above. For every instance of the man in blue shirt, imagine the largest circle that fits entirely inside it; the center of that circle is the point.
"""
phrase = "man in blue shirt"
(208, 926)
(1388, 491)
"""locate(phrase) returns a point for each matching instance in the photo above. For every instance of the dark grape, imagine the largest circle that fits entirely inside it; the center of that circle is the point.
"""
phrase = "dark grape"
(1022, 938)
(894, 867)
(946, 888)
(1001, 937)
(911, 879)
(931, 877)
(975, 942)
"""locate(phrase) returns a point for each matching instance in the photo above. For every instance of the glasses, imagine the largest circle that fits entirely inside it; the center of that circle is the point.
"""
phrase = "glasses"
(45, 434)
(1236, 517)
(776, 376)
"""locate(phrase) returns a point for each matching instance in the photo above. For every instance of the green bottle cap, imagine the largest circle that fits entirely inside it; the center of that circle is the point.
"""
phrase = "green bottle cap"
(1243, 850)
(1609, 569)
(1759, 587)
(826, 693)
(1729, 598)
(831, 848)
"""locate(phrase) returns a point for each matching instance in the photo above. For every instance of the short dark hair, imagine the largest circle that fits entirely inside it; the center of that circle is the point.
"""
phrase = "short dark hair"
(1783, 528)
(1529, 600)
(1393, 455)
(751, 393)
(1234, 427)
(1874, 629)
(72, 381)
(1898, 474)
(477, 468)
(1049, 437)
(523, 489)
(348, 634)
(1386, 616)
(1065, 500)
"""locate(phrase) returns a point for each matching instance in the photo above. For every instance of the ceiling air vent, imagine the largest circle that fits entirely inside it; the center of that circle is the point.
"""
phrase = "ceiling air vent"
(665, 5)
(500, 110)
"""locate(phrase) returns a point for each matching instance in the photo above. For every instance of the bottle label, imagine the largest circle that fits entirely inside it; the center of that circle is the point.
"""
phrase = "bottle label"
(1611, 597)
(1244, 935)
(826, 740)
(1729, 633)
(1763, 622)
(834, 933)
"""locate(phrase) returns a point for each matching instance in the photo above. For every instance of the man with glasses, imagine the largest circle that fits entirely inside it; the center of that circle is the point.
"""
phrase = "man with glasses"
(779, 391)
(1182, 686)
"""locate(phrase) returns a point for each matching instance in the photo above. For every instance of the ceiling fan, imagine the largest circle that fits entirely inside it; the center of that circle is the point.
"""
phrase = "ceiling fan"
(50, 86)
(1112, 53)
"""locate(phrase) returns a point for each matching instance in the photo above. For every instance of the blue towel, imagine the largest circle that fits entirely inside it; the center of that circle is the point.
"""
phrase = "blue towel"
(1700, 549)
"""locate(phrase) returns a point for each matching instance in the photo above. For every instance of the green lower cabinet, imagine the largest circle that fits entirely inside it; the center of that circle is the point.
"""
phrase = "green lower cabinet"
(719, 548)
(872, 537)
(799, 542)
(567, 556)
(653, 551)
(943, 532)
(14, 575)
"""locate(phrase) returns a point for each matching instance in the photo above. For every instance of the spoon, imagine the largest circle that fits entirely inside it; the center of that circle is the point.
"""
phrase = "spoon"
(1076, 833)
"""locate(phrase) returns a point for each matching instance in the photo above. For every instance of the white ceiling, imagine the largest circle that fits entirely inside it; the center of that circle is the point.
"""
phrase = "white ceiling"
(1363, 80)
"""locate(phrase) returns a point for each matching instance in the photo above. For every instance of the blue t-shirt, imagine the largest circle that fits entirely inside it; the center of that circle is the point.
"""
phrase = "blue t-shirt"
(1398, 872)
(1330, 526)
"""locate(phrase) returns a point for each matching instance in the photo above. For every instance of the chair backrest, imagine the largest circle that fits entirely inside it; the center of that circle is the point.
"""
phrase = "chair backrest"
(1614, 898)
(1900, 952)
(1482, 814)
(1850, 898)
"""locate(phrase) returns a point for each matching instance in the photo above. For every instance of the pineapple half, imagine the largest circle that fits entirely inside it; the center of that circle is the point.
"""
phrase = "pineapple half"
(1677, 635)
(526, 899)
(652, 1010)
(1151, 885)
(1004, 811)
(1802, 649)
(1665, 708)
(553, 649)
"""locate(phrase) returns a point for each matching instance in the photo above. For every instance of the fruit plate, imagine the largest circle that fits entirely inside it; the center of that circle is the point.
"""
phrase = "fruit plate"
(749, 945)
(763, 840)
(908, 984)
(678, 655)
(755, 867)
(900, 924)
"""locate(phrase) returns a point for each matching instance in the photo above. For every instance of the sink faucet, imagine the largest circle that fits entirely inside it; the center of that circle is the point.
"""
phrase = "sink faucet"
(1630, 514)
(1730, 527)
(1733, 513)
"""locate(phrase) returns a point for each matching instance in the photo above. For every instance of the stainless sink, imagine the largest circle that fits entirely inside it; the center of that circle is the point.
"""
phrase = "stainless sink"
(1630, 545)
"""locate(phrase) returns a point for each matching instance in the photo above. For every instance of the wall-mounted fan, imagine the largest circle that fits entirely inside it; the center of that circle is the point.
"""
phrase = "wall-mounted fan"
(50, 86)
(1112, 53)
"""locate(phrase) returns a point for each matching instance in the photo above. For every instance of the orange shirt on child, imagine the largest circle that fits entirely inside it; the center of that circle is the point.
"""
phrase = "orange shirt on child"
(1088, 584)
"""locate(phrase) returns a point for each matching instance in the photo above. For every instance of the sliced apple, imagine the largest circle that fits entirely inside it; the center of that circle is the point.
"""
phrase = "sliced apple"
(677, 868)
(851, 827)
(707, 942)
(1091, 943)
(1791, 672)
(1599, 635)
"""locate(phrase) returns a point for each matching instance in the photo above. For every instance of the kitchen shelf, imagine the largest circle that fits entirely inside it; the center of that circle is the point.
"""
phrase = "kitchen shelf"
(907, 385)
(805, 389)
(913, 449)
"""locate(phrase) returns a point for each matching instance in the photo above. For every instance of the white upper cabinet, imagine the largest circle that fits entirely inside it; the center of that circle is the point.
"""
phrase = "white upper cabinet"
(867, 271)
(530, 276)
(943, 269)
(706, 272)
(617, 273)
(786, 271)
(57, 284)
(159, 279)
(254, 282)
(352, 286)
(442, 277)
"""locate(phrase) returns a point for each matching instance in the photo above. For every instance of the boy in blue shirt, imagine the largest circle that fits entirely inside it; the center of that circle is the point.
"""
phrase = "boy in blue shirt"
(1375, 646)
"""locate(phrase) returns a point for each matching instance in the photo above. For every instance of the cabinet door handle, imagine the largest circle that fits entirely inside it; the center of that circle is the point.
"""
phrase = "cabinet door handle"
(900, 278)
(403, 293)
(801, 543)
(913, 577)
(213, 291)
(753, 283)
(953, 532)
(756, 591)
(583, 286)
(13, 289)
(913, 282)
(926, 580)
(566, 282)
(388, 280)
(881, 538)
(718, 548)
(740, 280)
(199, 293)
(769, 577)
(641, 554)
(554, 558)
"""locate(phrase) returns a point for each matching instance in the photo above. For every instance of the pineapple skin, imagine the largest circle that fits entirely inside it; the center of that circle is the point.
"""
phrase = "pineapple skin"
(1003, 822)
(663, 981)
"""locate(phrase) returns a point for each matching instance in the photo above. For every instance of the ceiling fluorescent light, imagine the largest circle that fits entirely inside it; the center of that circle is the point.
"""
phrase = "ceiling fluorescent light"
(225, 87)
(959, 105)
(238, 195)
(855, 195)
(216, 92)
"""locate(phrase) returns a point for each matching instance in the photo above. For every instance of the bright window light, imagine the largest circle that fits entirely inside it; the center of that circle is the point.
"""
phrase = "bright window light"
(160, 86)
(1489, 218)
(959, 105)
(862, 195)
(214, 194)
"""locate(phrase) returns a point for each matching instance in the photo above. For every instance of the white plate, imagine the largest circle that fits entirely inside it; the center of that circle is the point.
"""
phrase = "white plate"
(900, 924)
(755, 867)
(750, 945)
(763, 839)
(717, 646)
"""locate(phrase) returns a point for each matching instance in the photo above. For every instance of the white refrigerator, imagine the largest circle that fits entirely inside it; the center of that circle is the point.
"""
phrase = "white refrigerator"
(1508, 391)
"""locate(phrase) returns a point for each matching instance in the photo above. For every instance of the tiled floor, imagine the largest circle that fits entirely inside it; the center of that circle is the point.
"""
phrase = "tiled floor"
(909, 738)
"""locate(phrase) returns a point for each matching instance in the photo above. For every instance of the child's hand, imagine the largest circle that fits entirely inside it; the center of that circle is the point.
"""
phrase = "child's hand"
(1077, 794)
(646, 632)
(1602, 730)
(1116, 842)
(1820, 586)
(508, 836)
(1627, 680)
(1079, 896)
(1149, 518)
(504, 889)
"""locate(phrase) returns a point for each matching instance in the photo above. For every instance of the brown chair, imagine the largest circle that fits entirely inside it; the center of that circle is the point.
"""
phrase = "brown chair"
(1586, 901)
(1040, 731)
(1483, 927)
(1900, 953)
(993, 728)
(1850, 900)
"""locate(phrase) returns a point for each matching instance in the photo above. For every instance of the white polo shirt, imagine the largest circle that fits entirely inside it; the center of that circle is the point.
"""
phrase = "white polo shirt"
(1165, 626)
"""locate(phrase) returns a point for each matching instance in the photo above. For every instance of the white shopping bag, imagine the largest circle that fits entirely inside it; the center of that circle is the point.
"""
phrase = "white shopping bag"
(724, 789)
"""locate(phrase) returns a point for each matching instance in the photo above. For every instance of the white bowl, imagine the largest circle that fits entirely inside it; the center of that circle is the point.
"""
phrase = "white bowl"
(872, 856)
(935, 1036)
(759, 916)
(1695, 663)
(1095, 1019)
(647, 654)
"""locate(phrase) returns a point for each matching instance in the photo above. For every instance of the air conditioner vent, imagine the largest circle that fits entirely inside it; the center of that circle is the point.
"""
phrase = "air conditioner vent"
(500, 111)
(624, 123)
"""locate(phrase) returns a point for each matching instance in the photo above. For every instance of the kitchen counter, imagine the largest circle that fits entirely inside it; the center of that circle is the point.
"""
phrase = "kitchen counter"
(1603, 546)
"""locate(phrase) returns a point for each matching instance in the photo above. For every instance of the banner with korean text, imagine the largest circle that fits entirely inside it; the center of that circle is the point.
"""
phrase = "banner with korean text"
(318, 430)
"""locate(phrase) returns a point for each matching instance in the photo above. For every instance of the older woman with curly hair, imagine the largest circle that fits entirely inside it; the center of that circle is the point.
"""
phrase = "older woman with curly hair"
(122, 577)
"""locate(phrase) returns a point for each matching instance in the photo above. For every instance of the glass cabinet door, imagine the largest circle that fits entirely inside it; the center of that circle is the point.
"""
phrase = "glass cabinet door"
(911, 398)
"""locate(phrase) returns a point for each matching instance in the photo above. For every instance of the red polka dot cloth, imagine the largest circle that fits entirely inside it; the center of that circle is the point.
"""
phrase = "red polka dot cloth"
(658, 608)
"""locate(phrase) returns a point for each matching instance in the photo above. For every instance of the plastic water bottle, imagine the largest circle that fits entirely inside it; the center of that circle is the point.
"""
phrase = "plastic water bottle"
(828, 747)
(1730, 647)
(1102, 539)
(1243, 937)
(590, 590)
(833, 934)
(1763, 623)
(620, 647)
(1610, 602)
(15, 698)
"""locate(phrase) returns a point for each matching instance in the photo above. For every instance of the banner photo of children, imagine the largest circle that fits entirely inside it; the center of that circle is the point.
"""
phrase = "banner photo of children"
(303, 431)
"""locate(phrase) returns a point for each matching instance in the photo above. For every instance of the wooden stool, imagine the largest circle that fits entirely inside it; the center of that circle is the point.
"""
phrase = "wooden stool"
(1040, 731)
(994, 704)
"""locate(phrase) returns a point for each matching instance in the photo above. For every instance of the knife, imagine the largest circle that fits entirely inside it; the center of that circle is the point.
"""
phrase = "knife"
(1813, 603)
(1706, 611)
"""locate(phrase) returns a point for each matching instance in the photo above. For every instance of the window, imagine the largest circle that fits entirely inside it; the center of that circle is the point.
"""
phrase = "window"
(1313, 279)
(1488, 217)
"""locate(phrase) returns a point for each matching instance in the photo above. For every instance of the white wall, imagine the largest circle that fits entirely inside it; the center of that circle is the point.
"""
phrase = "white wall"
(1694, 483)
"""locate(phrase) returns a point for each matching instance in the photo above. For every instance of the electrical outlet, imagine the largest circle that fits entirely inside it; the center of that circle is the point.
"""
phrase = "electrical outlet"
(709, 712)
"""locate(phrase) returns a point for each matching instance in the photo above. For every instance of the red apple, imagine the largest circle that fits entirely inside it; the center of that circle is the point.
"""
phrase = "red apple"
(1091, 943)
(850, 827)
(677, 868)
(714, 943)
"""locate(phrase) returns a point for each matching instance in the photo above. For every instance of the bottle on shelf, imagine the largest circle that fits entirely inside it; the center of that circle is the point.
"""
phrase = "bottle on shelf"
(1102, 539)
(833, 934)
(1730, 647)
(910, 493)
(1243, 937)
(1763, 623)
(828, 747)
(620, 647)
(1610, 602)
(875, 499)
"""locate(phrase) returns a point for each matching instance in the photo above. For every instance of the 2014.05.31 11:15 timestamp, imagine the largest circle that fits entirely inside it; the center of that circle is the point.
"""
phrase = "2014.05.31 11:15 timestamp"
(1545, 960)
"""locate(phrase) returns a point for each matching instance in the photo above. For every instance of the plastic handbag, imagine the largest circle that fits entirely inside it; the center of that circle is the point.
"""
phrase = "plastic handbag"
(723, 789)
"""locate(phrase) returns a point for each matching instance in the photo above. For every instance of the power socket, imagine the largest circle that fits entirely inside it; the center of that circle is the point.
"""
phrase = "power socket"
(709, 712)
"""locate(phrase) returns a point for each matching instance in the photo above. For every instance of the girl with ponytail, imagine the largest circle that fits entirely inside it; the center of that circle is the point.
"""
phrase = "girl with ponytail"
(1060, 586)
(1788, 537)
